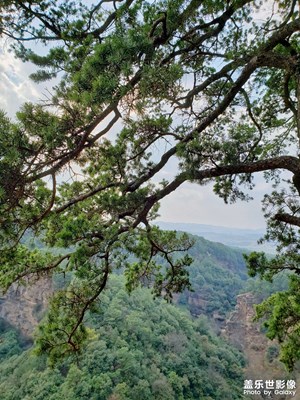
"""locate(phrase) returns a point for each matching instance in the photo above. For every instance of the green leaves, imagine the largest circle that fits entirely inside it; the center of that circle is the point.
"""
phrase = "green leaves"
(159, 264)
(18, 263)
(143, 86)
(282, 314)
(57, 334)
(281, 311)
(137, 347)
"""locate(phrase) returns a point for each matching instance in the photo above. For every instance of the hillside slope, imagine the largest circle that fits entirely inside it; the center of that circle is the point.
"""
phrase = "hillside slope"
(218, 276)
(139, 348)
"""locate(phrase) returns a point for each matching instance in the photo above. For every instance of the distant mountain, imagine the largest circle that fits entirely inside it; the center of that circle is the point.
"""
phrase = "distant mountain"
(242, 238)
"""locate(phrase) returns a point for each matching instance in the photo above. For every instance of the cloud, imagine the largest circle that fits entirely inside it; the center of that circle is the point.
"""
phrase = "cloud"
(15, 86)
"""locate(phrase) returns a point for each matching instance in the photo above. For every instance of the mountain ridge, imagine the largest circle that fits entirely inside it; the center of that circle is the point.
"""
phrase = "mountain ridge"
(246, 239)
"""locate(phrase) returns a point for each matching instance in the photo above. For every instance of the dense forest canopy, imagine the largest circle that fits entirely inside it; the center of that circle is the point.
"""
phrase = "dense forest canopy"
(212, 84)
(140, 348)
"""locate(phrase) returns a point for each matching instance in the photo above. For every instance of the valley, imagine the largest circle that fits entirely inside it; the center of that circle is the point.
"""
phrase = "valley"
(215, 319)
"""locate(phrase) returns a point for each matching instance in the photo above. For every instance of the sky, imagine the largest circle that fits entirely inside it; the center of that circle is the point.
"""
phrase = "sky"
(191, 203)
(194, 204)
(15, 87)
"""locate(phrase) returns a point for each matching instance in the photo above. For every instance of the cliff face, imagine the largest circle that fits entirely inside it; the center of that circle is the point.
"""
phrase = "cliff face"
(260, 352)
(23, 306)
(242, 331)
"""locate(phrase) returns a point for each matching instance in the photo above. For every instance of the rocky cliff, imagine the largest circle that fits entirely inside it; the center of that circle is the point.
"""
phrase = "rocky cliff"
(260, 352)
(23, 306)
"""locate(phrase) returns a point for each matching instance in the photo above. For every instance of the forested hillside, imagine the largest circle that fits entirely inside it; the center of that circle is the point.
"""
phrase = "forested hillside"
(143, 99)
(218, 274)
(139, 348)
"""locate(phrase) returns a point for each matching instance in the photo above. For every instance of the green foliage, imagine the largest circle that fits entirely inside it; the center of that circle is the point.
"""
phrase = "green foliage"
(203, 85)
(138, 348)
(217, 275)
(280, 311)
(272, 353)
(283, 314)
(12, 343)
(265, 288)
(18, 262)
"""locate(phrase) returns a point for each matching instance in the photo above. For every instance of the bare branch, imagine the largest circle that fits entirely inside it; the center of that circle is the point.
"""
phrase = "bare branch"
(287, 218)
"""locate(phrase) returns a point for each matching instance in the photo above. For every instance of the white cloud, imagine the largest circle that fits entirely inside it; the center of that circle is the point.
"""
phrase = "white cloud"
(15, 85)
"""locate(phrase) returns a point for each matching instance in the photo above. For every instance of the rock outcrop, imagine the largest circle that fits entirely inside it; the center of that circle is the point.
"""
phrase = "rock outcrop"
(23, 306)
(248, 336)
